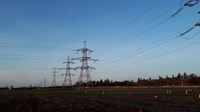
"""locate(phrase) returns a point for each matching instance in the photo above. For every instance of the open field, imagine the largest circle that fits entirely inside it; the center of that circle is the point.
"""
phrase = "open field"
(99, 100)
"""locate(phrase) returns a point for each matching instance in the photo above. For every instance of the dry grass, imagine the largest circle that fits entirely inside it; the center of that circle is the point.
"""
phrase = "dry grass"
(93, 100)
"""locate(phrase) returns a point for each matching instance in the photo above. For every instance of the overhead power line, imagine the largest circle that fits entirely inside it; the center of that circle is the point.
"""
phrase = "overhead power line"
(146, 24)
(29, 56)
(189, 3)
(147, 47)
(190, 29)
(158, 56)
(131, 22)
(26, 46)
(191, 36)
(24, 68)
(139, 35)
(142, 33)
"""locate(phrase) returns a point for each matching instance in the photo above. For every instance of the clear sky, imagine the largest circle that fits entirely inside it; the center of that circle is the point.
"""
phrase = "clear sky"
(131, 38)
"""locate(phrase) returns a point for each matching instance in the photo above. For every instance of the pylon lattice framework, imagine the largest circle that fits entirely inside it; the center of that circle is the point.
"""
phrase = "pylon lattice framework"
(67, 76)
(85, 69)
(54, 77)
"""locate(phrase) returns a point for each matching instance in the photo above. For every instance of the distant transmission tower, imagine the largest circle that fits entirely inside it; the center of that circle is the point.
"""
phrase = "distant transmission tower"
(84, 68)
(67, 80)
(44, 85)
(54, 77)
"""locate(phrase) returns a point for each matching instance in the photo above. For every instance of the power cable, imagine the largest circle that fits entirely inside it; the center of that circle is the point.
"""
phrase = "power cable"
(108, 51)
(189, 3)
(154, 57)
(29, 46)
(151, 46)
(154, 19)
(23, 68)
(131, 22)
(151, 28)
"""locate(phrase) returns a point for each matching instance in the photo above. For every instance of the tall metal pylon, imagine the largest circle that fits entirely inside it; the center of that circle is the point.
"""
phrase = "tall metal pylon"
(67, 76)
(54, 77)
(84, 68)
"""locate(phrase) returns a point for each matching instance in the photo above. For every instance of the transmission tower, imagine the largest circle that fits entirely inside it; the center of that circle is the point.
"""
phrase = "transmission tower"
(54, 77)
(84, 68)
(67, 76)
(44, 85)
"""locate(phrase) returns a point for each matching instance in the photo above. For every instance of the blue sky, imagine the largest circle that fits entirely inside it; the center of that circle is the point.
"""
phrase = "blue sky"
(37, 35)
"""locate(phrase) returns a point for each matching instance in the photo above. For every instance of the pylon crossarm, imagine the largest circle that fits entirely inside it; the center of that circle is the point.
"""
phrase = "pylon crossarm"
(92, 68)
(94, 60)
(76, 59)
(197, 24)
(61, 68)
(191, 3)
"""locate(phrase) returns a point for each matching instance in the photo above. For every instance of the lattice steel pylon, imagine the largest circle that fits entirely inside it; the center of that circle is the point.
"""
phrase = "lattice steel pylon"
(85, 69)
(67, 76)
(54, 77)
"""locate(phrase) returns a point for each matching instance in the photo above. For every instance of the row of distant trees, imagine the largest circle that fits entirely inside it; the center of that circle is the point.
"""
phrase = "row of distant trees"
(178, 80)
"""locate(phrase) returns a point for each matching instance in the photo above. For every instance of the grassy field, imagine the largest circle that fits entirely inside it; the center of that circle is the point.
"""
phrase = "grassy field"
(100, 100)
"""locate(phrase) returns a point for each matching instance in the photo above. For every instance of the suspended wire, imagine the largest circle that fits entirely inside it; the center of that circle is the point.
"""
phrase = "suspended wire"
(131, 22)
(139, 28)
(29, 56)
(178, 11)
(158, 56)
(147, 46)
(144, 32)
(22, 45)
(151, 28)
(187, 31)
(148, 31)
(30, 46)
(24, 68)
(191, 36)
(151, 46)
(190, 45)
(189, 3)
(139, 35)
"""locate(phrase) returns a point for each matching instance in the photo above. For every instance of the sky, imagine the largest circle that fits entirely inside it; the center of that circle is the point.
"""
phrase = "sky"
(131, 38)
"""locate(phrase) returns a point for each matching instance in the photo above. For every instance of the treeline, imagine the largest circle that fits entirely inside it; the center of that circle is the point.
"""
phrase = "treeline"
(106, 83)
(175, 80)
(178, 80)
